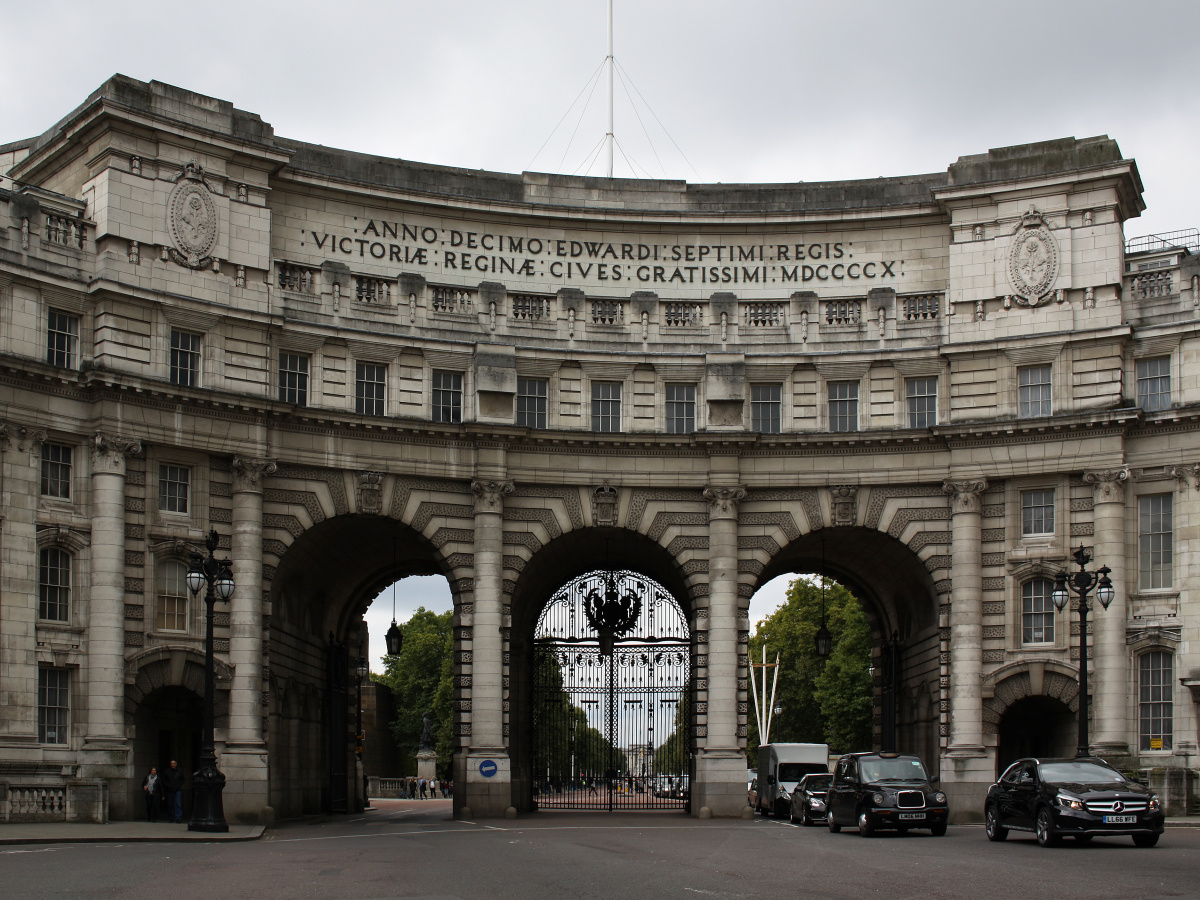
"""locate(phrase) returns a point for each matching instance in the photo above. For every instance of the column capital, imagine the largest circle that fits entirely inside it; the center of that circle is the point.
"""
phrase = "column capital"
(109, 452)
(964, 495)
(489, 495)
(19, 437)
(1108, 485)
(723, 500)
(248, 473)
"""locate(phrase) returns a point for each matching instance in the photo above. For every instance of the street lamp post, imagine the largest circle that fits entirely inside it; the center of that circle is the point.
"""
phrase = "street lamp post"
(208, 811)
(1082, 583)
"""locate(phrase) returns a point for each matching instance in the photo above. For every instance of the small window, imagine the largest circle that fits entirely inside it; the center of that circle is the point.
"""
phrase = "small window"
(54, 708)
(185, 359)
(56, 471)
(1037, 512)
(172, 596)
(1156, 541)
(62, 336)
(173, 483)
(531, 402)
(922, 402)
(370, 380)
(1037, 612)
(54, 585)
(1156, 708)
(606, 406)
(681, 408)
(766, 408)
(1033, 391)
(447, 397)
(1154, 383)
(293, 378)
(843, 406)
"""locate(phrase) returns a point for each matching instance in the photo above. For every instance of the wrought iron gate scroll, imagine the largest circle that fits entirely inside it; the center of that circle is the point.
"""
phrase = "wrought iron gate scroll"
(612, 730)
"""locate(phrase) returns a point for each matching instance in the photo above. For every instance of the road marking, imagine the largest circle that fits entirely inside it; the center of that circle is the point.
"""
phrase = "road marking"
(44, 850)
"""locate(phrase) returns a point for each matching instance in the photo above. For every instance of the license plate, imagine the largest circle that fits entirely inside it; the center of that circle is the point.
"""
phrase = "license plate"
(1120, 820)
(911, 817)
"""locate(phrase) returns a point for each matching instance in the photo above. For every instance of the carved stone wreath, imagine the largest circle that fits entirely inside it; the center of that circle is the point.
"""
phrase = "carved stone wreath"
(1032, 260)
(192, 219)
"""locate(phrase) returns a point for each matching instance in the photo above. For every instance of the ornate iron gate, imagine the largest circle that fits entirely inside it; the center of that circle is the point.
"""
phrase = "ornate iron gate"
(612, 711)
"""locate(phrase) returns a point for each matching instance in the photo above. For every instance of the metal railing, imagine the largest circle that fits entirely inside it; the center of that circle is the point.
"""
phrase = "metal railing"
(1187, 238)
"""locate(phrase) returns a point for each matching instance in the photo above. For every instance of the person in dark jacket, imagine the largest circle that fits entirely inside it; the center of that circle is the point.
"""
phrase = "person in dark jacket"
(152, 790)
(172, 780)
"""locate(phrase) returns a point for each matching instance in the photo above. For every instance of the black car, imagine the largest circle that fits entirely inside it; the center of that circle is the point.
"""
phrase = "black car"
(884, 790)
(1082, 798)
(808, 799)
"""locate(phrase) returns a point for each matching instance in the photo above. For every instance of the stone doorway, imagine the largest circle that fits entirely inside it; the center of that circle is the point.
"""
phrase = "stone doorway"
(1036, 726)
(167, 727)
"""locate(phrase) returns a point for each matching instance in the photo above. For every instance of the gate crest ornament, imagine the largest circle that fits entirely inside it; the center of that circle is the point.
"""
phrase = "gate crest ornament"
(192, 218)
(1032, 260)
(614, 615)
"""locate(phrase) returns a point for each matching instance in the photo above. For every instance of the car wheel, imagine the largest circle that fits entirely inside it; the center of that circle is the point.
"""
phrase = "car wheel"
(792, 815)
(866, 827)
(938, 830)
(1145, 840)
(1046, 835)
(805, 818)
(991, 824)
(833, 826)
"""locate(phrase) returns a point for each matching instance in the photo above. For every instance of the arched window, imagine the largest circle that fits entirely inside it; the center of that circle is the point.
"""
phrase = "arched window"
(54, 585)
(1156, 709)
(1037, 612)
(172, 596)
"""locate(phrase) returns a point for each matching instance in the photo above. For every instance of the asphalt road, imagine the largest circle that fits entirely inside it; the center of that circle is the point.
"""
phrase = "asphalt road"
(406, 849)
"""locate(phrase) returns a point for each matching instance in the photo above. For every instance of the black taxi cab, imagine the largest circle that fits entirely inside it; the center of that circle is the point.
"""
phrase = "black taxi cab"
(884, 790)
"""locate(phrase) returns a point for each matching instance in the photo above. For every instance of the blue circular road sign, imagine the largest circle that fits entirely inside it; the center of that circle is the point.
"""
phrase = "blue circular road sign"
(488, 768)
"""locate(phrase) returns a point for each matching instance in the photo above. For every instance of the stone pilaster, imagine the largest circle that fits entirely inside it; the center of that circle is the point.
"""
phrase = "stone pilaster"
(1111, 657)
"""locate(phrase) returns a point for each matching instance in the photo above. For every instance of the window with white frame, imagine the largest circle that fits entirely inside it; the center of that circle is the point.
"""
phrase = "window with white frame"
(1037, 512)
(922, 402)
(185, 358)
(54, 585)
(606, 406)
(1156, 708)
(1156, 541)
(531, 402)
(766, 408)
(54, 708)
(1037, 612)
(447, 397)
(1033, 391)
(174, 483)
(172, 595)
(56, 471)
(293, 378)
(681, 408)
(62, 338)
(1154, 383)
(843, 406)
(370, 382)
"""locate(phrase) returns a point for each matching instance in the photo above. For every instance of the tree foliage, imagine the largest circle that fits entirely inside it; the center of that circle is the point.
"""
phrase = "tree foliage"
(824, 701)
(567, 746)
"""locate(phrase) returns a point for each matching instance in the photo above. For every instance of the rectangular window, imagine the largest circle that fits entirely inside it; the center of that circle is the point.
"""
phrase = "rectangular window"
(1156, 709)
(1037, 512)
(1154, 383)
(62, 336)
(56, 471)
(1037, 612)
(293, 378)
(447, 397)
(173, 484)
(681, 408)
(606, 406)
(172, 596)
(370, 380)
(54, 585)
(922, 402)
(531, 402)
(843, 406)
(1033, 391)
(1156, 541)
(766, 408)
(185, 358)
(53, 705)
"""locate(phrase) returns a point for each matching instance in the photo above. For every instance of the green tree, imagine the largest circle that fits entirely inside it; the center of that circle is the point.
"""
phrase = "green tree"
(824, 701)
(673, 756)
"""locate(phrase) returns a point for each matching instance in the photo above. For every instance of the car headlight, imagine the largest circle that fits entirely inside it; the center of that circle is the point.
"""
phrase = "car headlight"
(1067, 802)
(939, 797)
(879, 798)
(817, 804)
(1155, 805)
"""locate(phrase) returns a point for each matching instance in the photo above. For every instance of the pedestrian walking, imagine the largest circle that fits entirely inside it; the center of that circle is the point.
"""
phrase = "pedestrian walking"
(421, 788)
(152, 791)
(172, 780)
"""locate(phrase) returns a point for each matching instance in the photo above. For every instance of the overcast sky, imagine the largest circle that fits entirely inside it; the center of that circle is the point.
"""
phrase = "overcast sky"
(752, 90)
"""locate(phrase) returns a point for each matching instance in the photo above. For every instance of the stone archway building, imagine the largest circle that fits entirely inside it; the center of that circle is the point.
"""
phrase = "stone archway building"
(357, 368)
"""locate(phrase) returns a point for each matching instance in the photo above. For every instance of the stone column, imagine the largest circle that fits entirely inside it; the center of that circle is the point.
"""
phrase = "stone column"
(244, 761)
(1110, 657)
(721, 767)
(488, 787)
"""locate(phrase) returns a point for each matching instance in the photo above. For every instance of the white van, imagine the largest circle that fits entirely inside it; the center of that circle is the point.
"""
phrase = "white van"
(780, 767)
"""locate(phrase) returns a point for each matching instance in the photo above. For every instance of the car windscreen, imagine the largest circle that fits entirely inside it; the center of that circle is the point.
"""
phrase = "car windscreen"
(796, 771)
(1078, 772)
(898, 769)
(818, 782)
